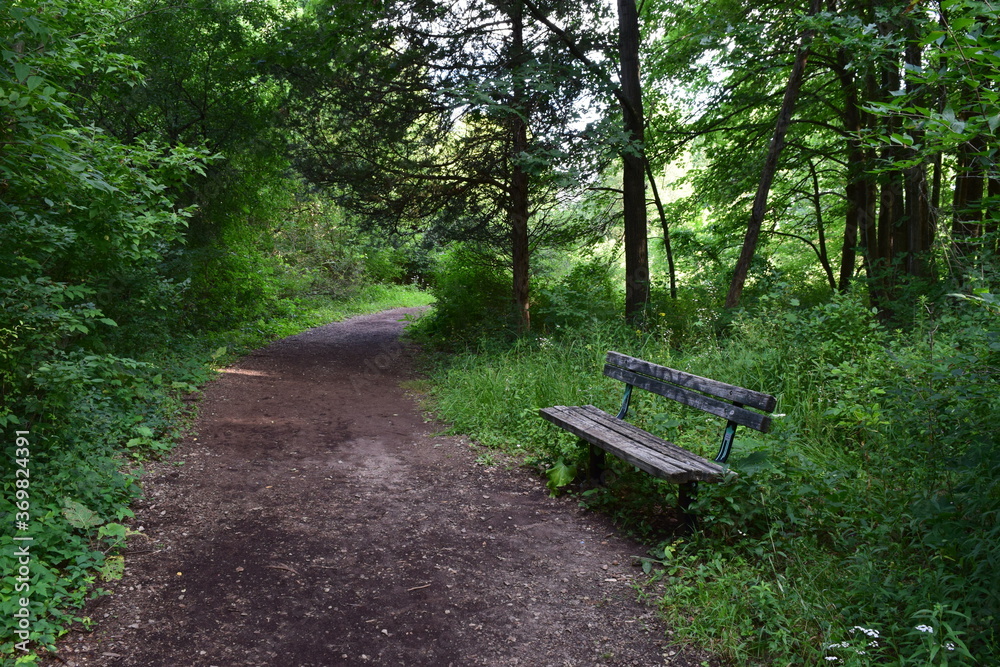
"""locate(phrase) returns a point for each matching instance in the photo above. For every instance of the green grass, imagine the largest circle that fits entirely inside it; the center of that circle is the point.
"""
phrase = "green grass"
(872, 504)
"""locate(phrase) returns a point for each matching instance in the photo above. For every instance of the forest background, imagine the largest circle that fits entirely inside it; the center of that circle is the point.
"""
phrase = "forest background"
(802, 200)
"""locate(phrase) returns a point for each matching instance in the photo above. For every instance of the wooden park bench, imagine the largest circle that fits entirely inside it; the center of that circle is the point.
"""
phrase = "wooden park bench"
(647, 452)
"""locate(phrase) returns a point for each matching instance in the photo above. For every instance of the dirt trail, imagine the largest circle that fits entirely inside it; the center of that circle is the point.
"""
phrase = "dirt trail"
(315, 519)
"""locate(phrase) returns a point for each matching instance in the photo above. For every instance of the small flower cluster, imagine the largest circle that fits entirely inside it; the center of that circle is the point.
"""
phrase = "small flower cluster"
(872, 635)
(948, 646)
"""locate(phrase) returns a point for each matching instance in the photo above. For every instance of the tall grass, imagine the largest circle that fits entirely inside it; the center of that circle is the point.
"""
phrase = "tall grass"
(871, 508)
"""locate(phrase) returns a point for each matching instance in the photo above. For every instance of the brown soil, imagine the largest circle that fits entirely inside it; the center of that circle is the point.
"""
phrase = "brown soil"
(315, 517)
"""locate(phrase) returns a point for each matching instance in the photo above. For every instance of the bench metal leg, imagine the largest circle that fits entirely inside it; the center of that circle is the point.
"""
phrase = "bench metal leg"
(596, 465)
(685, 496)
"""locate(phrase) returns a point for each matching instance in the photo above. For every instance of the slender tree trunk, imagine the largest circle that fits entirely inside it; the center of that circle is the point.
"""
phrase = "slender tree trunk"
(519, 206)
(857, 189)
(666, 231)
(848, 252)
(770, 166)
(824, 258)
(868, 226)
(629, 95)
(920, 235)
(633, 167)
(993, 216)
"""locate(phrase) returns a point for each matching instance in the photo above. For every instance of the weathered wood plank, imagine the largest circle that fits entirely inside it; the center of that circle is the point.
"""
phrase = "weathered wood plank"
(728, 392)
(708, 404)
(665, 447)
(666, 461)
(576, 421)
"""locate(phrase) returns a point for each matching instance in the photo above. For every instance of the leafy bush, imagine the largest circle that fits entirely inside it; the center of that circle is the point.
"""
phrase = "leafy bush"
(472, 298)
(586, 294)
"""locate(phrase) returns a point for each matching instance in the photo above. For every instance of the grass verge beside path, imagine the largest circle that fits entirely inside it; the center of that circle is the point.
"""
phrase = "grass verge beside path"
(863, 530)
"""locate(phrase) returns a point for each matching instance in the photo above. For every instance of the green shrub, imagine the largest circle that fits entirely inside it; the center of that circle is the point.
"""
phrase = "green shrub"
(472, 297)
(586, 294)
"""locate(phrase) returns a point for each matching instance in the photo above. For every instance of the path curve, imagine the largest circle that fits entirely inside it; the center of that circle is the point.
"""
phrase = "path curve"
(314, 518)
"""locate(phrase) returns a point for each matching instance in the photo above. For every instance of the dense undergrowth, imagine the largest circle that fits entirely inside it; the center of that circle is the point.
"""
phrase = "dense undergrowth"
(863, 529)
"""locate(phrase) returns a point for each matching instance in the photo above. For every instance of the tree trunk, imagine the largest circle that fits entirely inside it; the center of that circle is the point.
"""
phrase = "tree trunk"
(629, 95)
(993, 217)
(858, 190)
(970, 183)
(770, 166)
(633, 167)
(519, 211)
(666, 231)
(824, 258)
(920, 234)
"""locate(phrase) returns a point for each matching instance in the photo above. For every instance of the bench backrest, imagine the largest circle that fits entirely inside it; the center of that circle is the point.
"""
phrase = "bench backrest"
(717, 398)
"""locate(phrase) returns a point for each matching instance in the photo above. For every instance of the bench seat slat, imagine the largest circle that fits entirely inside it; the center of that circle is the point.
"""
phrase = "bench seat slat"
(695, 400)
(665, 447)
(595, 420)
(664, 460)
(728, 392)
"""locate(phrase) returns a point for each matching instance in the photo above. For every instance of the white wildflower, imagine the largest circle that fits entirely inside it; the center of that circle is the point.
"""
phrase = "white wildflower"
(868, 631)
(924, 628)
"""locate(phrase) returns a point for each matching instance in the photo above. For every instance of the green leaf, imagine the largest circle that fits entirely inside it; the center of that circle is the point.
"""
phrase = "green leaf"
(560, 475)
(754, 462)
(35, 26)
(79, 516)
(115, 530)
(34, 81)
(113, 568)
(21, 71)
